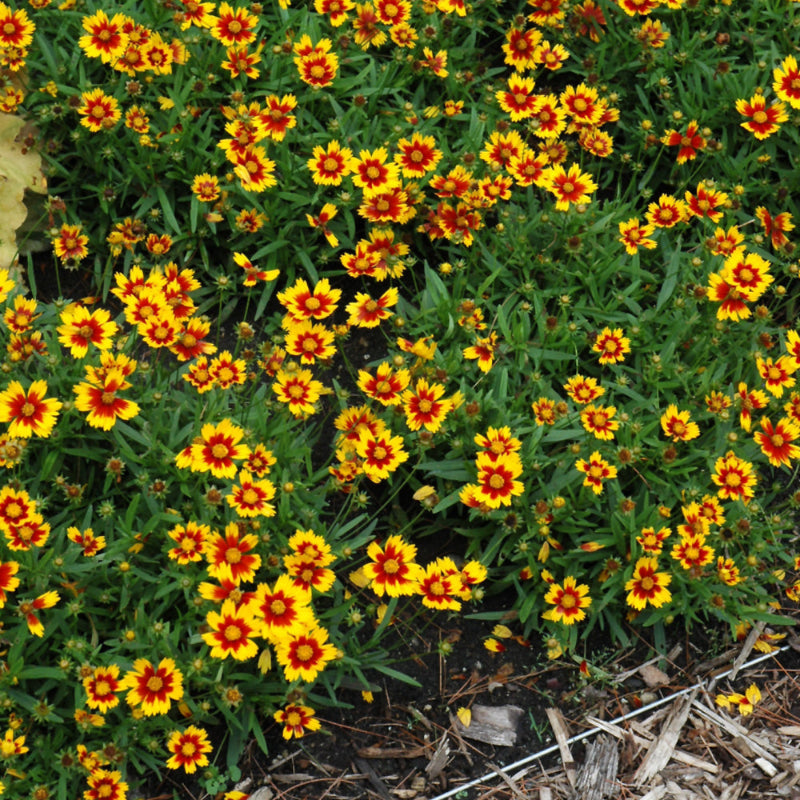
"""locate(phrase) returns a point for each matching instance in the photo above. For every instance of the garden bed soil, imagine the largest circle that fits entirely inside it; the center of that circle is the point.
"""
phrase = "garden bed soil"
(408, 742)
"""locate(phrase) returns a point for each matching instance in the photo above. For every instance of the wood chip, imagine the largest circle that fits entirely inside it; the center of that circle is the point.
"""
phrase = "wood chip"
(653, 676)
(597, 777)
(747, 648)
(390, 752)
(766, 767)
(495, 725)
(655, 793)
(660, 752)
(439, 759)
(562, 735)
(545, 793)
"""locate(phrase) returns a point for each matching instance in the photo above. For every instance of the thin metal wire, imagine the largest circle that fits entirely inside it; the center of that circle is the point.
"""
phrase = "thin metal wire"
(592, 731)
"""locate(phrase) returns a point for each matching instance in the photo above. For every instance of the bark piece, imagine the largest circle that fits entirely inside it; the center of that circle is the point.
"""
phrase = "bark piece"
(439, 759)
(562, 735)
(597, 778)
(660, 752)
(495, 725)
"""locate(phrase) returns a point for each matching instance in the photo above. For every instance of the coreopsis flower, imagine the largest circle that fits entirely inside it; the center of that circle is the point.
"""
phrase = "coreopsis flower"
(692, 551)
(440, 585)
(776, 441)
(218, 448)
(153, 688)
(105, 785)
(612, 345)
(283, 609)
(497, 478)
(366, 26)
(318, 68)
(16, 28)
(260, 461)
(32, 531)
(667, 212)
(386, 385)
(229, 555)
(688, 143)
(381, 454)
(231, 631)
(711, 509)
(310, 341)
(725, 242)
(779, 374)
(330, 164)
(519, 48)
(568, 601)
(403, 35)
(792, 407)
(8, 580)
(581, 103)
(596, 142)
(677, 425)
(748, 273)
(103, 404)
(775, 227)
(435, 62)
(335, 9)
(29, 413)
(749, 400)
(706, 202)
(309, 572)
(598, 421)
(11, 745)
(158, 56)
(199, 375)
(527, 168)
(373, 173)
(786, 81)
(734, 477)
(101, 687)
(634, 235)
(303, 655)
(497, 442)
(647, 585)
(196, 13)
(240, 60)
(550, 56)
(136, 119)
(568, 186)
(652, 34)
(160, 330)
(254, 169)
(390, 206)
(366, 312)
(205, 187)
(233, 26)
(547, 12)
(500, 148)
(548, 121)
(519, 99)
(762, 120)
(98, 110)
(493, 645)
(355, 421)
(727, 571)
(81, 328)
(298, 390)
(189, 542)
(483, 351)
(392, 569)
(642, 7)
(544, 411)
(296, 720)
(308, 543)
(652, 540)
(417, 156)
(189, 749)
(321, 220)
(425, 406)
(20, 318)
(27, 609)
(69, 243)
(303, 303)
(191, 343)
(252, 274)
(87, 540)
(583, 390)
(745, 703)
(250, 497)
(597, 470)
(731, 300)
(15, 506)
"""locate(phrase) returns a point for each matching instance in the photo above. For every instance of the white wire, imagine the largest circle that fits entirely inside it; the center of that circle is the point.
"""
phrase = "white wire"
(592, 731)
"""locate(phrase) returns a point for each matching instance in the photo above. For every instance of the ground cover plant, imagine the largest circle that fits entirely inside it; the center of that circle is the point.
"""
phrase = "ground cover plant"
(340, 277)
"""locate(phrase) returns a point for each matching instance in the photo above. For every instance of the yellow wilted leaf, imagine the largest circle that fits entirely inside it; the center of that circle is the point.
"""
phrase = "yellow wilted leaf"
(465, 716)
(358, 578)
(18, 171)
(502, 632)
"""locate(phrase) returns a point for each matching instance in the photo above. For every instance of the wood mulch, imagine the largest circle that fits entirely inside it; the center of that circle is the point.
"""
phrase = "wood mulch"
(679, 744)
